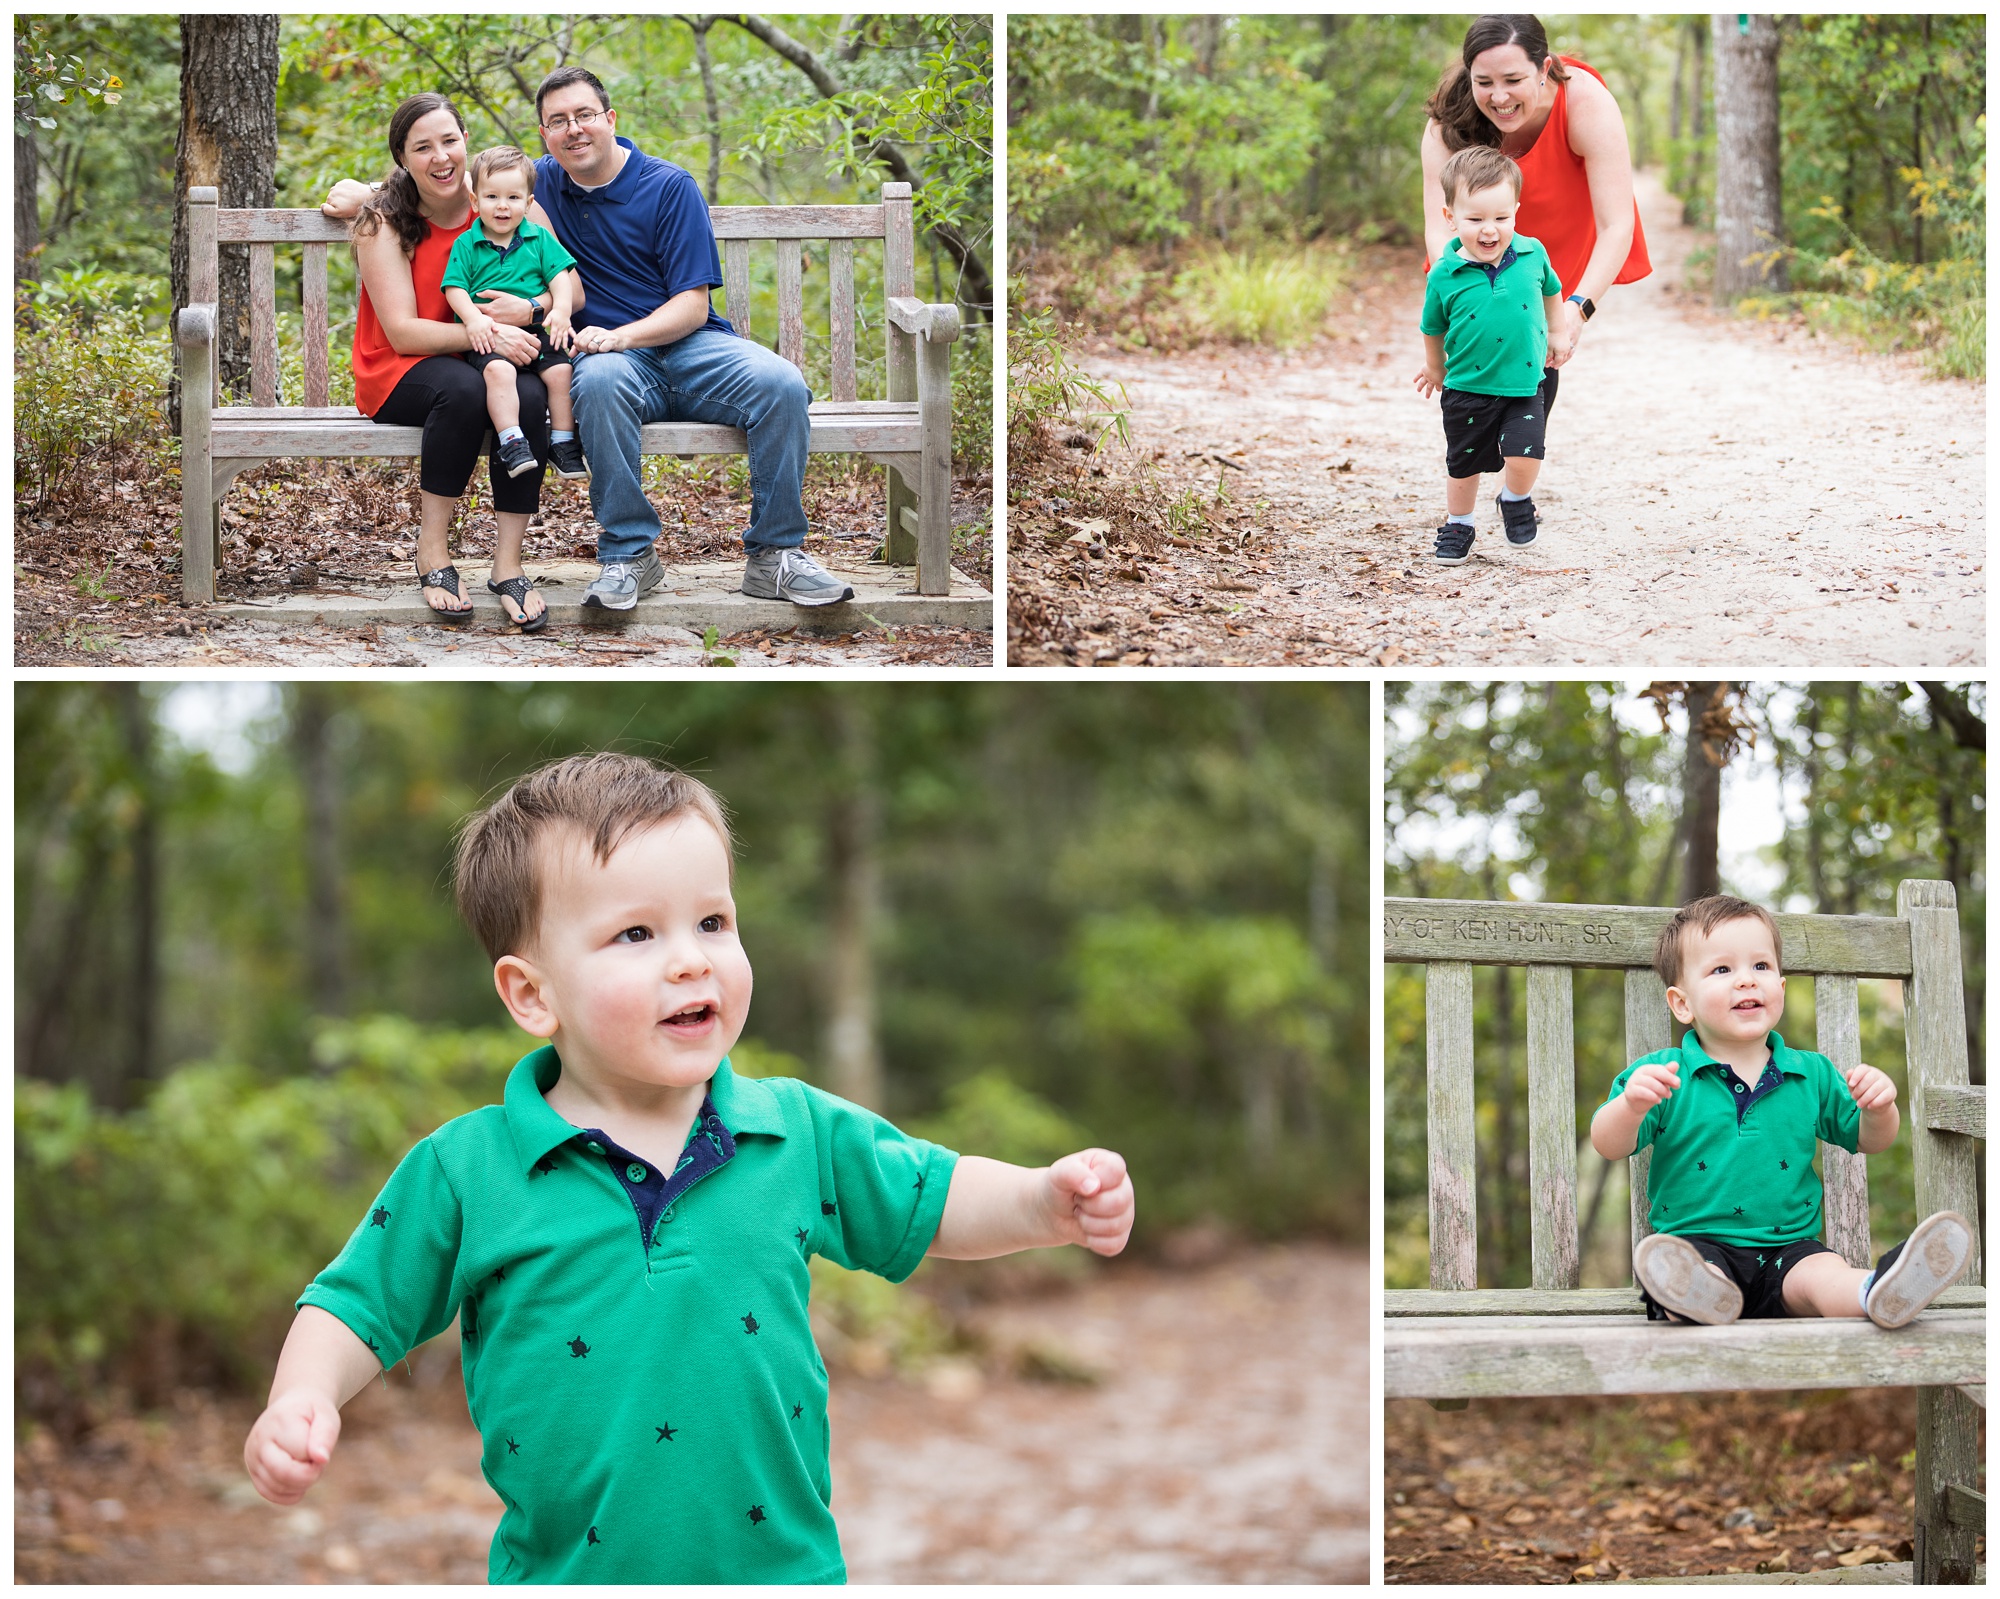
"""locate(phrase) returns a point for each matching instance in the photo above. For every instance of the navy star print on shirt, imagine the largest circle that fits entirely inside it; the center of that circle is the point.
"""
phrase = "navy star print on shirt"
(512, 1447)
(666, 1434)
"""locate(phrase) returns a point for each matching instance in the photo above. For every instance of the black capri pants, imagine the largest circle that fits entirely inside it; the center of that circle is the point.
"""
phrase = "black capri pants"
(446, 397)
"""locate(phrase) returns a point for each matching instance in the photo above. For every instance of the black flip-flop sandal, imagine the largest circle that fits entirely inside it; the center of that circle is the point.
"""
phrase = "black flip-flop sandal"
(446, 578)
(517, 589)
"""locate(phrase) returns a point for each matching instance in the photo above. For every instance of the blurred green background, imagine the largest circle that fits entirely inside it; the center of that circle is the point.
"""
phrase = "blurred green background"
(1037, 917)
(1587, 793)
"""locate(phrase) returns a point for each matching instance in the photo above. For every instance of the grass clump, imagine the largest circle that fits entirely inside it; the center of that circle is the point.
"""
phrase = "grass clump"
(1276, 293)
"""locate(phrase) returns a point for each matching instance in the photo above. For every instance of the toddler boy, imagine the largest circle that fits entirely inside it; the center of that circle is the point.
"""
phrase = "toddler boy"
(1488, 306)
(1734, 1116)
(504, 250)
(625, 1241)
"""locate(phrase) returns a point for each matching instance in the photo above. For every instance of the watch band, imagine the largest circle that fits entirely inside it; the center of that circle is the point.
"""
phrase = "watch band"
(1589, 306)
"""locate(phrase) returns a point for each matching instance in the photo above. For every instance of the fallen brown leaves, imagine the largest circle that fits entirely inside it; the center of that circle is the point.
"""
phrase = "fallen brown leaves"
(1539, 1490)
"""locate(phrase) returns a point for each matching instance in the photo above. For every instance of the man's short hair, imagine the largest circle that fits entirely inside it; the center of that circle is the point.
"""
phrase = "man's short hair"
(562, 78)
(502, 158)
(1705, 916)
(1477, 167)
(501, 868)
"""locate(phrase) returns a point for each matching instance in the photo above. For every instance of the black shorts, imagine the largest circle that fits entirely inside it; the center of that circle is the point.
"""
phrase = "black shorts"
(547, 356)
(1482, 430)
(1760, 1273)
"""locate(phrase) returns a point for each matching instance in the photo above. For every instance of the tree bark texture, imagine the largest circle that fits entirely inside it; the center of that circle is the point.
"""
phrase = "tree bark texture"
(140, 1052)
(1701, 804)
(853, 841)
(228, 140)
(1749, 215)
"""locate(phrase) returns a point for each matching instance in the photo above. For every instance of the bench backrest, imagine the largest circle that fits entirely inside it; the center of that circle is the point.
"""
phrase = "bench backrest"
(790, 227)
(1919, 945)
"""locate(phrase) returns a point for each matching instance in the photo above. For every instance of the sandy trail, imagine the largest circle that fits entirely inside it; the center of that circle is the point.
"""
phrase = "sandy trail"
(1224, 1440)
(1717, 493)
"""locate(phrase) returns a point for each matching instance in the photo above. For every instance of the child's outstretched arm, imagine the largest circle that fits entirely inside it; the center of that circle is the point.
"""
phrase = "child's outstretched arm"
(322, 1367)
(1876, 1096)
(1614, 1130)
(996, 1209)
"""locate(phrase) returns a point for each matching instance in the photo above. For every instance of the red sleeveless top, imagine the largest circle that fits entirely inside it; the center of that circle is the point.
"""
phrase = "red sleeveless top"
(377, 366)
(1555, 199)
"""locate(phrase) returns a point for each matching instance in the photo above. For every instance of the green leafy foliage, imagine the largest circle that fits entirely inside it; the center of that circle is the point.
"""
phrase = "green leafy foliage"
(1275, 295)
(1046, 388)
(45, 81)
(90, 383)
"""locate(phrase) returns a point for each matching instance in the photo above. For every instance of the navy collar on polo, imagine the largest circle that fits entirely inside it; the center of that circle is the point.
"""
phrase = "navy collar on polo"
(618, 190)
(1782, 1062)
(744, 1105)
(1492, 269)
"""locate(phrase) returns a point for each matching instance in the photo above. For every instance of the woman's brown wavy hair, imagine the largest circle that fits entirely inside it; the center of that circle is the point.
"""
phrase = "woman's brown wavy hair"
(397, 202)
(1452, 107)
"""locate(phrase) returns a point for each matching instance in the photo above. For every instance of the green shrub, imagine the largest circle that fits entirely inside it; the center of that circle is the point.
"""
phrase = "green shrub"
(1046, 388)
(1275, 294)
(90, 391)
(972, 399)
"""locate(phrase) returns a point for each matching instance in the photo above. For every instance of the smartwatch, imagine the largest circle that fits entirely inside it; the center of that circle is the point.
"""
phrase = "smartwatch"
(1589, 306)
(535, 321)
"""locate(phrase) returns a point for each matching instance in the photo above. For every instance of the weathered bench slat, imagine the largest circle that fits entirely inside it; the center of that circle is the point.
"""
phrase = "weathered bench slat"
(1946, 1163)
(244, 226)
(1837, 1032)
(792, 301)
(796, 221)
(1649, 1028)
(1956, 1108)
(1399, 1302)
(1620, 935)
(840, 314)
(314, 295)
(736, 284)
(1506, 1356)
(1552, 1126)
(1448, 1057)
(263, 325)
(899, 277)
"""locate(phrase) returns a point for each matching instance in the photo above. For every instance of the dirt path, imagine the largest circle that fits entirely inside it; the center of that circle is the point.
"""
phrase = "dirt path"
(1717, 493)
(1225, 1440)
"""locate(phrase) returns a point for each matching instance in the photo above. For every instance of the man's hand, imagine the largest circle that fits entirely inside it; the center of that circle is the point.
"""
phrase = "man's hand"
(599, 341)
(290, 1445)
(1647, 1086)
(508, 308)
(1871, 1088)
(1091, 1200)
(1430, 381)
(345, 199)
(556, 325)
(518, 345)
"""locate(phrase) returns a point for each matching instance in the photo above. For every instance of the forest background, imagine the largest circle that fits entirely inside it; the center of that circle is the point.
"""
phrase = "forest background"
(762, 110)
(1806, 797)
(1017, 921)
(1175, 179)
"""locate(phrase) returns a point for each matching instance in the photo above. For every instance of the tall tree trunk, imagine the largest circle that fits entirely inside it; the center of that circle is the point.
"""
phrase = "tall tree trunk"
(228, 140)
(1701, 803)
(140, 1052)
(324, 939)
(1697, 106)
(1749, 214)
(27, 209)
(706, 62)
(853, 838)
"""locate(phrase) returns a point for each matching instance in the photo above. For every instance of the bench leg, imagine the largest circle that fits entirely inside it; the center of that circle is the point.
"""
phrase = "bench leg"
(900, 548)
(1947, 1453)
(934, 485)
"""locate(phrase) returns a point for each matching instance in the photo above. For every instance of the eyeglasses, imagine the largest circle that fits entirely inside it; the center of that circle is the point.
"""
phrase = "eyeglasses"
(561, 125)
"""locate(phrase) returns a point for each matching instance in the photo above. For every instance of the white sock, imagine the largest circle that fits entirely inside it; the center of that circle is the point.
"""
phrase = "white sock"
(557, 435)
(1509, 494)
(1867, 1283)
(1463, 520)
(511, 433)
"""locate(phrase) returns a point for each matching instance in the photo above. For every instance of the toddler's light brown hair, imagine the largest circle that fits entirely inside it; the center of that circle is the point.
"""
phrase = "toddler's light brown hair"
(1477, 167)
(503, 852)
(505, 158)
(1704, 916)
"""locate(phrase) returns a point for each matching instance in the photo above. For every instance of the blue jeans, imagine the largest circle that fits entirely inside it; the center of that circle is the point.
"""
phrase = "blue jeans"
(709, 376)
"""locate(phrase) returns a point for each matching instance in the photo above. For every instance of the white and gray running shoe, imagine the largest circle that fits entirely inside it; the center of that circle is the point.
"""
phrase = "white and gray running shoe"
(619, 584)
(1918, 1269)
(1673, 1272)
(787, 574)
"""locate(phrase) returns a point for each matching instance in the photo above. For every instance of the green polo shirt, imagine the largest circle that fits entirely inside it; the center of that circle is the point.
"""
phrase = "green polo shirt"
(1745, 1180)
(530, 263)
(653, 1406)
(1496, 334)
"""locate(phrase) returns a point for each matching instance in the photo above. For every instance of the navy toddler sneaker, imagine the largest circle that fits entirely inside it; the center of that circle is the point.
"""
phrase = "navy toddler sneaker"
(1520, 519)
(1454, 544)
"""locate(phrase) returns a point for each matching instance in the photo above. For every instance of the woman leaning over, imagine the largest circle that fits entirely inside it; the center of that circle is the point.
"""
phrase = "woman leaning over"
(407, 348)
(1554, 117)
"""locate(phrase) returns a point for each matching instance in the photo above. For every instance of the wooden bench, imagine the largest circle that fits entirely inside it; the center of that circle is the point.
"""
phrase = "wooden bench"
(1455, 1341)
(909, 432)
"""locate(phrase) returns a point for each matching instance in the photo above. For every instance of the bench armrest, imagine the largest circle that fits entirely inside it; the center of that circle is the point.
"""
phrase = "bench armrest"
(936, 322)
(196, 325)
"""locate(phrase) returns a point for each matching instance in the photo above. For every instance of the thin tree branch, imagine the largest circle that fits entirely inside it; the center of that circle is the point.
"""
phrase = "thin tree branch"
(1967, 730)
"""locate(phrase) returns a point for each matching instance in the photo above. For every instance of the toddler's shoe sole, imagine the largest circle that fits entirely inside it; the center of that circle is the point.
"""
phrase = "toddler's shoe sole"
(1934, 1257)
(1673, 1272)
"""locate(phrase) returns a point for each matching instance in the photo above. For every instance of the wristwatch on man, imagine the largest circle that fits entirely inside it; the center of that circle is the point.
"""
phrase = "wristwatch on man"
(1589, 306)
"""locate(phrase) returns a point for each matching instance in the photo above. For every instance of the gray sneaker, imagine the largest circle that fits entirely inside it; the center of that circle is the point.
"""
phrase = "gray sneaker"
(619, 584)
(792, 575)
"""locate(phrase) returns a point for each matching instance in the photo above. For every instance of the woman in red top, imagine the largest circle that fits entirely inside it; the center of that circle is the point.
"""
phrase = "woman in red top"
(1553, 116)
(407, 348)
